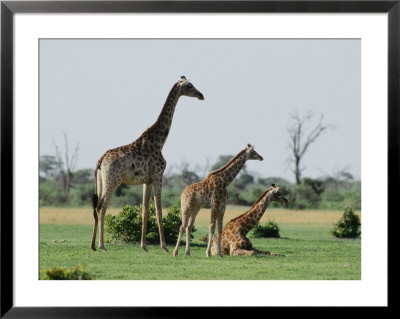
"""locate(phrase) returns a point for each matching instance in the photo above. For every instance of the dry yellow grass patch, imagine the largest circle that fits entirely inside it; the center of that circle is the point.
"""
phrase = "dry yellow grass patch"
(84, 215)
(281, 216)
(73, 216)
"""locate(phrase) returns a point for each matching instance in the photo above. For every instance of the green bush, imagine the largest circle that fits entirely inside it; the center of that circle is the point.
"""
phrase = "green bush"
(127, 225)
(171, 224)
(270, 229)
(348, 226)
(61, 273)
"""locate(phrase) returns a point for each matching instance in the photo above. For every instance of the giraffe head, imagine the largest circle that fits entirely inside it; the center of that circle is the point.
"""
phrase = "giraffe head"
(276, 196)
(251, 154)
(188, 89)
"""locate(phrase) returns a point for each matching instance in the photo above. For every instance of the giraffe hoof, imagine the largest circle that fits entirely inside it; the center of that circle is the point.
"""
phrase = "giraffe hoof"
(93, 248)
(103, 248)
(187, 253)
(175, 253)
(165, 249)
(145, 249)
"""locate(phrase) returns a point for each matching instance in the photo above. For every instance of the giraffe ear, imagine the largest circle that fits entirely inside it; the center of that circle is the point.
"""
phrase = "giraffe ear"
(275, 190)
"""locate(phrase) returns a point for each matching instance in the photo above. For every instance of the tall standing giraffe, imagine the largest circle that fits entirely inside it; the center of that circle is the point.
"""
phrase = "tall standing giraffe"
(211, 193)
(234, 240)
(140, 162)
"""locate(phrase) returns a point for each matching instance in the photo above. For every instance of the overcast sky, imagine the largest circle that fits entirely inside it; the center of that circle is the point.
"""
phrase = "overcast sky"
(105, 93)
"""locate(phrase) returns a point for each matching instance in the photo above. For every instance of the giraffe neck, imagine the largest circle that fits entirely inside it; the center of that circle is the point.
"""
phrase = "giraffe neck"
(157, 134)
(253, 216)
(232, 169)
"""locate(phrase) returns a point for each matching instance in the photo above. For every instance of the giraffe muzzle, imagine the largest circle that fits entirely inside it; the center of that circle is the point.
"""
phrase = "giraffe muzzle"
(201, 96)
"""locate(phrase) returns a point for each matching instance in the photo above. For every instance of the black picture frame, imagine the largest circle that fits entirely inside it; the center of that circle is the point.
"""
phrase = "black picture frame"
(9, 8)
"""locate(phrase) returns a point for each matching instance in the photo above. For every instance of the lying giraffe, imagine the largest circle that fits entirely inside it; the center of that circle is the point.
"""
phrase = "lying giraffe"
(140, 162)
(211, 193)
(234, 240)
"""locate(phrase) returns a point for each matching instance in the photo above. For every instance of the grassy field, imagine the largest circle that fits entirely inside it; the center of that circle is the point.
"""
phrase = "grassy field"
(310, 253)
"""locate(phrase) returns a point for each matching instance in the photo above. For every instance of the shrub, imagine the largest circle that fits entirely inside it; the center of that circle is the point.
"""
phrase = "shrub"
(127, 225)
(348, 226)
(270, 229)
(61, 273)
(171, 224)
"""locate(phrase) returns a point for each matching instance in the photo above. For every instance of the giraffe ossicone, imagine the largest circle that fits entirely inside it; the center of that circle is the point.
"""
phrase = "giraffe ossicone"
(233, 238)
(212, 193)
(140, 162)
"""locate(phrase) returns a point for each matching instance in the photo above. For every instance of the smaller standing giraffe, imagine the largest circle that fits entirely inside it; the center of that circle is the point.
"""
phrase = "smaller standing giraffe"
(211, 193)
(234, 240)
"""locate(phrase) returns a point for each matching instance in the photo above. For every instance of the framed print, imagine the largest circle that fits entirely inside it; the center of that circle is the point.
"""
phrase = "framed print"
(277, 122)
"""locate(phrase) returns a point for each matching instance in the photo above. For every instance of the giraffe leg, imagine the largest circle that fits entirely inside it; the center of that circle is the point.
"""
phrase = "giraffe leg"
(188, 235)
(211, 230)
(219, 225)
(185, 219)
(145, 214)
(242, 252)
(249, 246)
(266, 252)
(263, 252)
(213, 246)
(157, 201)
(101, 221)
(108, 185)
(189, 229)
(96, 222)
(214, 214)
(96, 205)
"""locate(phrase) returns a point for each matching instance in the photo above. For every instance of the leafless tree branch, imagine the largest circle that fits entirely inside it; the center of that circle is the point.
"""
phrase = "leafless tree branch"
(67, 165)
(297, 143)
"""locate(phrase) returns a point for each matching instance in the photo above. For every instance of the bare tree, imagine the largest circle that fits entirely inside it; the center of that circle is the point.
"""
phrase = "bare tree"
(66, 165)
(300, 141)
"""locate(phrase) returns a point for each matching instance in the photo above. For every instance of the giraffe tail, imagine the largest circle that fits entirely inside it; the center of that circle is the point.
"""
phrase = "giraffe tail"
(95, 201)
(95, 197)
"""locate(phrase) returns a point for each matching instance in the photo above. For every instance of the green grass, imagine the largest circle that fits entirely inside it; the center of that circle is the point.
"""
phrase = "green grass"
(310, 254)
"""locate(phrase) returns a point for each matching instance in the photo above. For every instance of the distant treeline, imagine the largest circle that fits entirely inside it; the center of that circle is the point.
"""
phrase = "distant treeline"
(330, 192)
